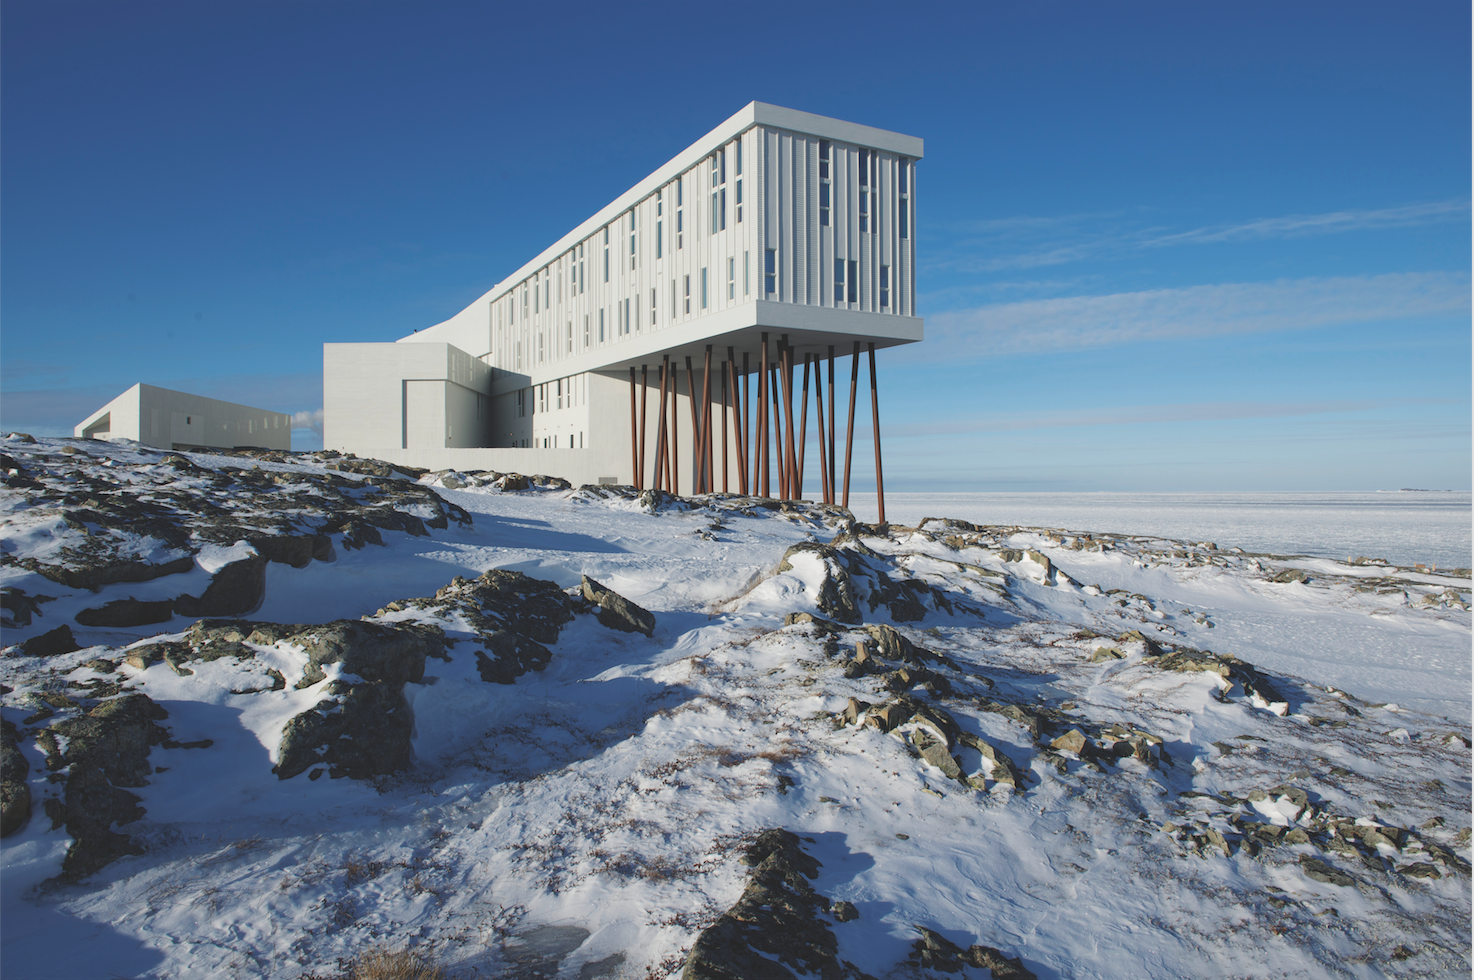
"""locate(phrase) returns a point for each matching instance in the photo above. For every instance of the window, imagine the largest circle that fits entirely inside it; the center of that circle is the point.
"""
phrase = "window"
(540, 352)
(904, 220)
(652, 306)
(885, 285)
(731, 279)
(854, 285)
(534, 295)
(746, 274)
(659, 211)
(560, 392)
(601, 325)
(586, 330)
(626, 315)
(580, 270)
(703, 288)
(824, 183)
(903, 166)
(770, 270)
(738, 169)
(521, 403)
(680, 215)
(632, 239)
(570, 336)
(606, 253)
(839, 280)
(718, 196)
(672, 299)
(688, 295)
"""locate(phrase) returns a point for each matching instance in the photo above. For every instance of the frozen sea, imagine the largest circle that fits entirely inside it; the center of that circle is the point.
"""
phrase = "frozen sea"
(1405, 528)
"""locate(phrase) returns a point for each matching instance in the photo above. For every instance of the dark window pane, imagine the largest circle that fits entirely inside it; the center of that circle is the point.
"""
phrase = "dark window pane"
(853, 284)
(823, 195)
(864, 168)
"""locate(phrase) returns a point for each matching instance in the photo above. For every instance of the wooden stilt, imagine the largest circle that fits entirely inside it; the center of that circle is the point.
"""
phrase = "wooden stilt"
(760, 461)
(634, 435)
(745, 473)
(803, 430)
(737, 432)
(780, 458)
(708, 458)
(825, 487)
(849, 437)
(675, 430)
(696, 456)
(875, 427)
(644, 403)
(662, 467)
(833, 442)
(790, 452)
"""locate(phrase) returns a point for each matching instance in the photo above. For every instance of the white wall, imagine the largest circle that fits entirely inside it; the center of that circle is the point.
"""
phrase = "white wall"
(169, 419)
(404, 396)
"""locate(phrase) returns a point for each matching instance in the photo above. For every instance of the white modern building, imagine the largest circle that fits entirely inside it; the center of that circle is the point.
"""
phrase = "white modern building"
(779, 241)
(168, 419)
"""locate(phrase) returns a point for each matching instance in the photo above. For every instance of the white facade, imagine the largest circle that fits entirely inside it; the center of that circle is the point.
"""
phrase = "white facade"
(777, 222)
(168, 419)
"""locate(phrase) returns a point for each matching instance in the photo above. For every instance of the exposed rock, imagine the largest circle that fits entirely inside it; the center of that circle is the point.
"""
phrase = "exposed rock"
(937, 952)
(836, 596)
(777, 928)
(893, 645)
(1073, 740)
(15, 792)
(934, 751)
(128, 612)
(51, 643)
(1291, 575)
(359, 730)
(511, 482)
(515, 656)
(617, 612)
(94, 576)
(1106, 654)
(18, 607)
(297, 550)
(235, 589)
(106, 749)
(1318, 870)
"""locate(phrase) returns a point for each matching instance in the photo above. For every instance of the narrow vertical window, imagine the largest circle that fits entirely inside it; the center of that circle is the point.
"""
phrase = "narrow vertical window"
(601, 325)
(606, 253)
(770, 270)
(687, 297)
(885, 285)
(864, 168)
(570, 336)
(854, 285)
(839, 280)
(731, 279)
(659, 224)
(904, 220)
(632, 239)
(746, 274)
(672, 300)
(652, 306)
(703, 288)
(739, 198)
(824, 183)
(586, 338)
(580, 270)
(534, 296)
(722, 210)
(680, 214)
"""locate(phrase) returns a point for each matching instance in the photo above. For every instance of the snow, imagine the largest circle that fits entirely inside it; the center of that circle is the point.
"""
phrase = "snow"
(612, 792)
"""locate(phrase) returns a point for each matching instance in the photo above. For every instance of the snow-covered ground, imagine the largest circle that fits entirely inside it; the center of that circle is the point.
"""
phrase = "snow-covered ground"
(586, 820)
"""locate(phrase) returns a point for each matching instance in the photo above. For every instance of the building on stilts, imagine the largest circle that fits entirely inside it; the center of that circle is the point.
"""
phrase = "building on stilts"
(675, 338)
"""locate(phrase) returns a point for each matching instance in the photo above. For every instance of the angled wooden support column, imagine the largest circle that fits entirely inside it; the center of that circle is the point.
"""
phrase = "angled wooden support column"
(832, 441)
(760, 461)
(803, 430)
(737, 426)
(825, 489)
(662, 459)
(644, 404)
(849, 436)
(674, 442)
(634, 435)
(724, 371)
(695, 429)
(708, 458)
(780, 458)
(786, 366)
(875, 427)
(745, 474)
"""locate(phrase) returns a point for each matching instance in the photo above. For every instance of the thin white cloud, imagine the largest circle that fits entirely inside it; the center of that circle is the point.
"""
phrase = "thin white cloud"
(1033, 243)
(308, 420)
(1196, 311)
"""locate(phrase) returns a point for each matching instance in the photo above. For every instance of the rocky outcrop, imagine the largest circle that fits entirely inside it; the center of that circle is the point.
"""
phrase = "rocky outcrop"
(235, 589)
(128, 612)
(15, 792)
(779, 928)
(617, 612)
(836, 591)
(104, 751)
(51, 643)
(937, 952)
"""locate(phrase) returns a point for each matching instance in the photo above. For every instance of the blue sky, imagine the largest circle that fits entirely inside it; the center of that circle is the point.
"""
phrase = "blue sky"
(1162, 246)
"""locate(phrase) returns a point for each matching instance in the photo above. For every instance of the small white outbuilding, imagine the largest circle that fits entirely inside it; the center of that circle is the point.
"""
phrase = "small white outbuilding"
(168, 419)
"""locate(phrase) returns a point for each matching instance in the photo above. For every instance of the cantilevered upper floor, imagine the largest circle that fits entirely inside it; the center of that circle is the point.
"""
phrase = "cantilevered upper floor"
(776, 221)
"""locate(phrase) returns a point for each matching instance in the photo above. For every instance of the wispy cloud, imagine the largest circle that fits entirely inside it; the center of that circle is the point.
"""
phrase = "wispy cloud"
(1196, 311)
(1003, 244)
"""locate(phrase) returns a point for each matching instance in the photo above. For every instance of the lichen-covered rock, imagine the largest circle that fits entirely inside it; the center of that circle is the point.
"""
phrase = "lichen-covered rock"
(836, 590)
(51, 643)
(236, 589)
(515, 655)
(937, 952)
(15, 792)
(128, 612)
(617, 612)
(360, 730)
(777, 929)
(105, 750)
